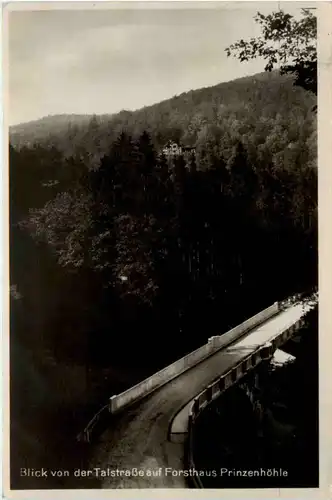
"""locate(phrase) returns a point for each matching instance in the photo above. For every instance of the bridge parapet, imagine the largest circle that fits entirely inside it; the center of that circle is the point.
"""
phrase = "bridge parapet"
(282, 337)
(214, 390)
(263, 353)
(219, 384)
(120, 401)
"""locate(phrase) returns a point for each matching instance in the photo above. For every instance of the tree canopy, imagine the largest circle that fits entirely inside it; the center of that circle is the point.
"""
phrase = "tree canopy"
(164, 244)
(285, 42)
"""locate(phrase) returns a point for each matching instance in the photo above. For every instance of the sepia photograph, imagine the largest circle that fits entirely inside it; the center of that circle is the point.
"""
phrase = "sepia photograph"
(163, 245)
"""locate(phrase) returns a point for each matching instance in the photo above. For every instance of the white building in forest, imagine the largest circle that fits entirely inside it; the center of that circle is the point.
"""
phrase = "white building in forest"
(172, 149)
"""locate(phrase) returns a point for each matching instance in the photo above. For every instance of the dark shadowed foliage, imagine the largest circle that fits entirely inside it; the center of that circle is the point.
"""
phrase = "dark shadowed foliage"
(118, 250)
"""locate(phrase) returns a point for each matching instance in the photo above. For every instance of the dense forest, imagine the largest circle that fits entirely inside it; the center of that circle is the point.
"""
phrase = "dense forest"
(262, 110)
(117, 247)
(176, 241)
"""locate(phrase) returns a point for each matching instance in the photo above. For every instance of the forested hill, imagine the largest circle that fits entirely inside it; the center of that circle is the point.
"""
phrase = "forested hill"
(42, 129)
(266, 111)
(236, 224)
(147, 251)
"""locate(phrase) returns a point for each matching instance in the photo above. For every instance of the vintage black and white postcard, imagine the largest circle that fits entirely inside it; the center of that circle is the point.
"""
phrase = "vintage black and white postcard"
(164, 279)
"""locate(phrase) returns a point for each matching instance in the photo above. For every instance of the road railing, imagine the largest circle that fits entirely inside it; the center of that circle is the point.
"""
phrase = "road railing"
(232, 376)
(146, 387)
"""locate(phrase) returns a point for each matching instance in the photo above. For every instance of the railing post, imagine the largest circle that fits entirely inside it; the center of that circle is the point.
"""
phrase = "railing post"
(86, 437)
(215, 389)
(222, 384)
(196, 406)
(112, 404)
(266, 351)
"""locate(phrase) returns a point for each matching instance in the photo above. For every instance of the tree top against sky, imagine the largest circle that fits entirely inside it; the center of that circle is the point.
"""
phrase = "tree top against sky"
(285, 43)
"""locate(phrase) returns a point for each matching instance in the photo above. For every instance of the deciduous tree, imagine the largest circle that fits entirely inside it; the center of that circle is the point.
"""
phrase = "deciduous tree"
(285, 42)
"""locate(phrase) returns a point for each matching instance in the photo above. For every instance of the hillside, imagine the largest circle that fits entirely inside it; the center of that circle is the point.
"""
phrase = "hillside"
(250, 107)
(142, 252)
(43, 128)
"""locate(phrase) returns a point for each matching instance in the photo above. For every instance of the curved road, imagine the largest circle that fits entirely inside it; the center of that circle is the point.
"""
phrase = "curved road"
(139, 437)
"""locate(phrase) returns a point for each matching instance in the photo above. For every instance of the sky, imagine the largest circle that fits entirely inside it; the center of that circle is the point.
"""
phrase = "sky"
(111, 57)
